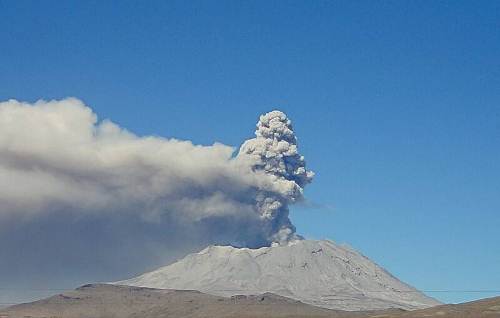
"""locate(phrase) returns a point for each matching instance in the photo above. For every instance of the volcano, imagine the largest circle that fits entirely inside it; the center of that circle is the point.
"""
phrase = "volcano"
(320, 273)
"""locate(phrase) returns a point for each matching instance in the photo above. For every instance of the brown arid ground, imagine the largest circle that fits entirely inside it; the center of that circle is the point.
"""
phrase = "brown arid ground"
(109, 301)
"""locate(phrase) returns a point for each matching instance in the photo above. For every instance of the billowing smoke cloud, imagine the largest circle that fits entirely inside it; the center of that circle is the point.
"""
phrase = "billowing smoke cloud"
(274, 151)
(75, 189)
(55, 156)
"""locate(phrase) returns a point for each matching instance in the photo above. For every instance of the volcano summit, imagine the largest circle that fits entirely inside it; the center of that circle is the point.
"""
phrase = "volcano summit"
(319, 273)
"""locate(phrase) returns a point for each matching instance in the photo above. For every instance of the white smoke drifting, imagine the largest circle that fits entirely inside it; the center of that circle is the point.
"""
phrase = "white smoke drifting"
(57, 159)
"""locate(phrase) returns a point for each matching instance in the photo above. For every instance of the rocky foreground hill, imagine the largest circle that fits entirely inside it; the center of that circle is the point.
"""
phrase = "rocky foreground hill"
(113, 301)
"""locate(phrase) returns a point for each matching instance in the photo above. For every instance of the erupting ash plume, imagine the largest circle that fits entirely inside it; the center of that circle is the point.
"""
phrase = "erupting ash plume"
(274, 151)
(55, 157)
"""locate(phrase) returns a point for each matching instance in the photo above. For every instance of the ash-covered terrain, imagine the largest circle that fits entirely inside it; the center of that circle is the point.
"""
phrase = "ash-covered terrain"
(319, 273)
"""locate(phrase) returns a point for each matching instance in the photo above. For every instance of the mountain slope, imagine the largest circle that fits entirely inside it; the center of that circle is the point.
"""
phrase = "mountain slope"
(319, 273)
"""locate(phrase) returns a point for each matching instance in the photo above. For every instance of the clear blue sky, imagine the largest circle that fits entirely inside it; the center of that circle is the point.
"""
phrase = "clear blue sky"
(396, 104)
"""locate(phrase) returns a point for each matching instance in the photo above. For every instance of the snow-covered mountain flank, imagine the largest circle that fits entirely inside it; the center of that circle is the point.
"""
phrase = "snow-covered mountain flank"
(320, 273)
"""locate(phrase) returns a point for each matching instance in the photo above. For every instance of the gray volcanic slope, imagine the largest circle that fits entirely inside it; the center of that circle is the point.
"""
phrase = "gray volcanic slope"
(319, 273)
(113, 301)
